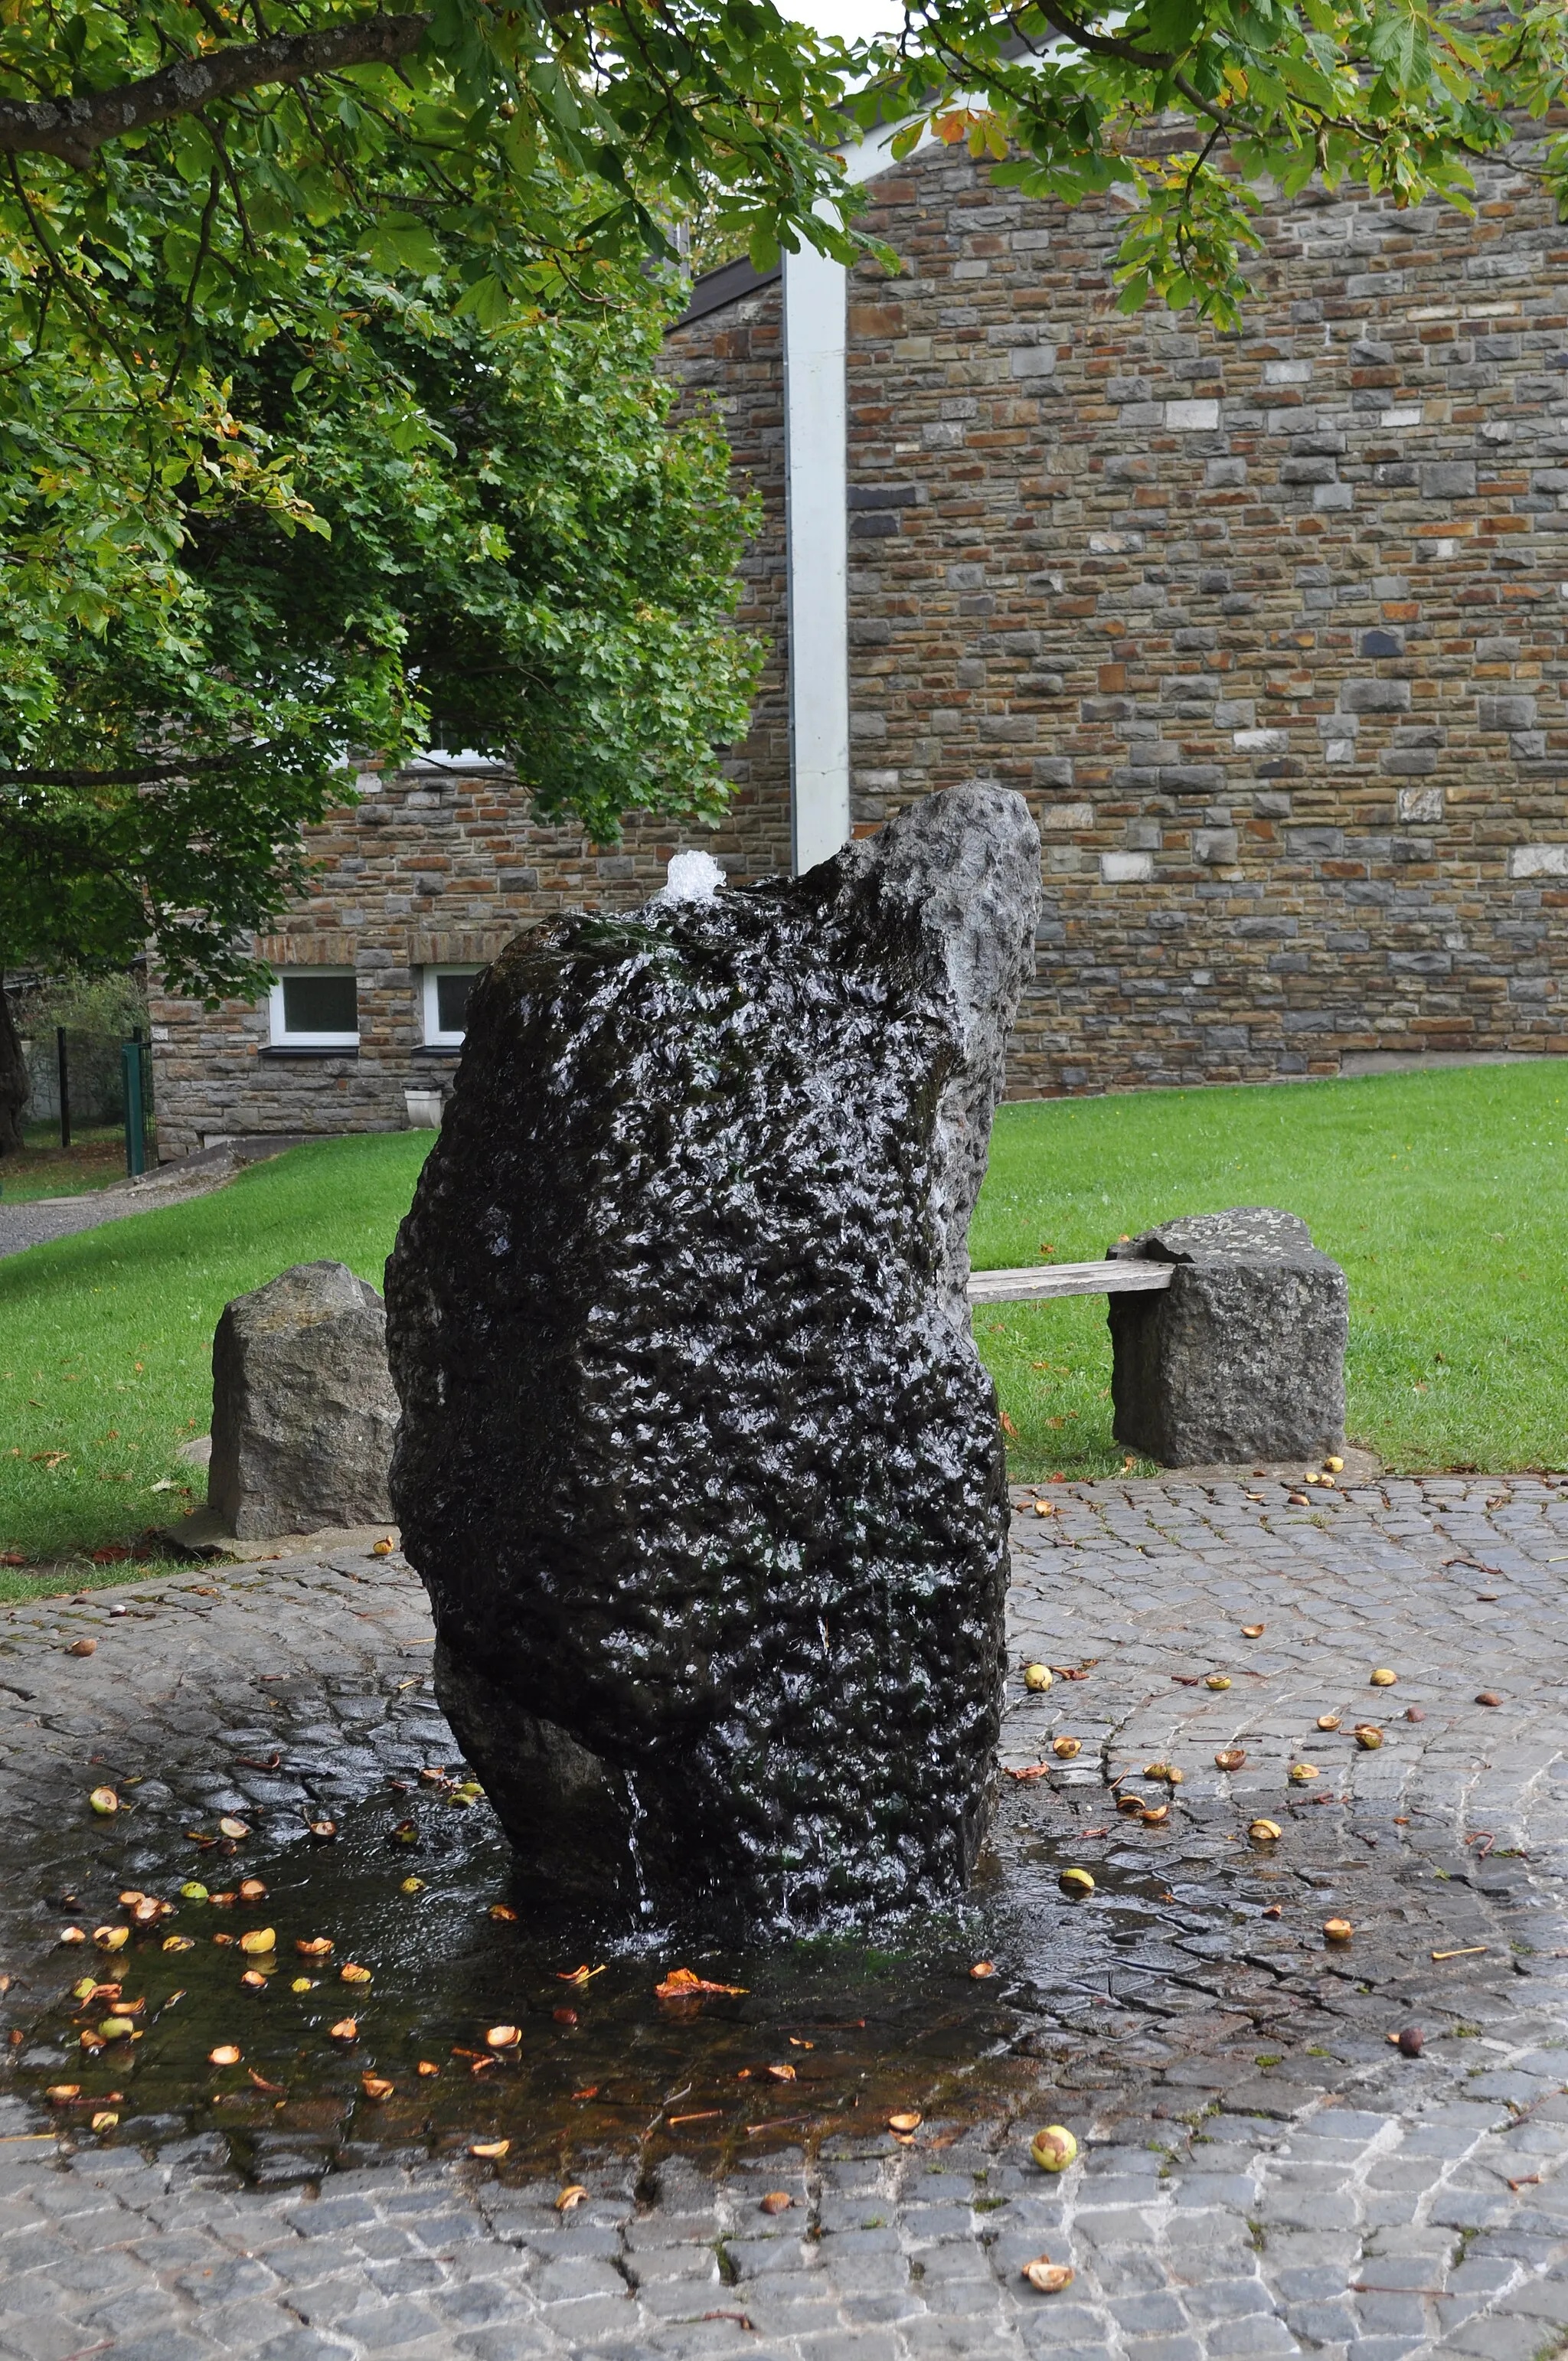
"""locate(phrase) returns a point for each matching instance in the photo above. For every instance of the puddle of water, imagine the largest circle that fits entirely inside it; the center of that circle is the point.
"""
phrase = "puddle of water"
(827, 2036)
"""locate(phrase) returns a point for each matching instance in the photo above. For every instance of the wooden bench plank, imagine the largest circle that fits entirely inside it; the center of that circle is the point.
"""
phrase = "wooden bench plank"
(1047, 1280)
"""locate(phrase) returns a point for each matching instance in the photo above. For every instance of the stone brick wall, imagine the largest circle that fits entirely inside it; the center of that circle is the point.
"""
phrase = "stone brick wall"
(1268, 628)
(442, 867)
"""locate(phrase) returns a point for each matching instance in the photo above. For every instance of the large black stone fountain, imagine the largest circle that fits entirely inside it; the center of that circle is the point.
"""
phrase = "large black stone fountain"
(697, 1460)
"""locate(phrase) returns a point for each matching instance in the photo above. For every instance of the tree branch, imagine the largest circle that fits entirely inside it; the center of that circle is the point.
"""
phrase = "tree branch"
(75, 128)
(147, 775)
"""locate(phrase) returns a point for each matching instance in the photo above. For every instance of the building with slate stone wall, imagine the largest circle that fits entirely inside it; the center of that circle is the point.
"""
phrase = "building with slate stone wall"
(1268, 628)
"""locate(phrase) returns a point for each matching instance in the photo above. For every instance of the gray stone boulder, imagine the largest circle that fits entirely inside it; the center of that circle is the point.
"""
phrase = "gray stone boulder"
(699, 1461)
(1243, 1355)
(303, 1408)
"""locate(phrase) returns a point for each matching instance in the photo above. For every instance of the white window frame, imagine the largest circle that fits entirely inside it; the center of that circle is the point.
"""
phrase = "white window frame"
(282, 1039)
(434, 1039)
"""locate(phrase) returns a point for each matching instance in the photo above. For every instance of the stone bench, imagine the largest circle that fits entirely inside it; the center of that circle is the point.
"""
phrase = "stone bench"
(1228, 1335)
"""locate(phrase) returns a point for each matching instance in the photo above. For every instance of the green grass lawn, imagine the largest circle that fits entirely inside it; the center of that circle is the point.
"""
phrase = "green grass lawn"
(1435, 1191)
(95, 1158)
(106, 1338)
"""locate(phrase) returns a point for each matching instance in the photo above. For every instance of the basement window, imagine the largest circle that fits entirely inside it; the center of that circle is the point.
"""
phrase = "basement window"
(446, 991)
(315, 1009)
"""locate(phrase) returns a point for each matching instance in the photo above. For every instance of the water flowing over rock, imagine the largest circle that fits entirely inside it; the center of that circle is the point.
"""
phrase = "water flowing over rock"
(698, 1461)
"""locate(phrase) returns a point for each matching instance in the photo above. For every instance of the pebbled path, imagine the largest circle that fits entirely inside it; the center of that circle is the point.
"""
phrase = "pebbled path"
(1261, 2173)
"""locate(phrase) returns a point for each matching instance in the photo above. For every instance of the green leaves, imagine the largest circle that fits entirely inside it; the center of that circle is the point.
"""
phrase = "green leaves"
(500, 527)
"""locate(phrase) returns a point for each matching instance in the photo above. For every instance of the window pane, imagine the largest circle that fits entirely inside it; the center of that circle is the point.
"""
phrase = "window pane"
(452, 1001)
(320, 1003)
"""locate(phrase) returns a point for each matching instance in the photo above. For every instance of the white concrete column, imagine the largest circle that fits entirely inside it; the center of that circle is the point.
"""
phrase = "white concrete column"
(816, 499)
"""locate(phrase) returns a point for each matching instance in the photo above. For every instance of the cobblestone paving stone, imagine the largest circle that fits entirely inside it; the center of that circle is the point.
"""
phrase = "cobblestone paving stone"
(1261, 2173)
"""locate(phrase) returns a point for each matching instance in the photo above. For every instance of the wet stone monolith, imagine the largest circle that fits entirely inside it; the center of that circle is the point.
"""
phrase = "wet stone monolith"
(697, 1460)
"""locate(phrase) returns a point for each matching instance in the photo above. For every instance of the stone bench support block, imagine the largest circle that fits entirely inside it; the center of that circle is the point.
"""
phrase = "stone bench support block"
(1243, 1355)
(303, 1410)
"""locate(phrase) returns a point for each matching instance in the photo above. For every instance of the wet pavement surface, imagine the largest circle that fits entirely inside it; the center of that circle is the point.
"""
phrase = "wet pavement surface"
(1260, 2170)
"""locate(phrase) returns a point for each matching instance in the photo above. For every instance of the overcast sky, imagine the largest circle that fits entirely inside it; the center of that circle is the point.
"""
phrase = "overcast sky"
(855, 20)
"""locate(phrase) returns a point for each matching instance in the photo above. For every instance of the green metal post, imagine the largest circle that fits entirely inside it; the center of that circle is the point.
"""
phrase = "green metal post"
(136, 1138)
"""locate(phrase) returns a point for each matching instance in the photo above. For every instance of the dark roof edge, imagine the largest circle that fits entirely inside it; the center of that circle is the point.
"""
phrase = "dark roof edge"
(724, 285)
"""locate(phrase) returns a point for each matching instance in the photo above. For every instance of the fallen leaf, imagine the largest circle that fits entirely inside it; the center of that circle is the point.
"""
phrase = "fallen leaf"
(780, 2074)
(1033, 1770)
(375, 2086)
(225, 2054)
(675, 1986)
(570, 2198)
(1049, 2277)
(1054, 2148)
(495, 2148)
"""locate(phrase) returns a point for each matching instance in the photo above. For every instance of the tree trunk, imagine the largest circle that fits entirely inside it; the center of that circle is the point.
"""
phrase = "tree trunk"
(14, 1079)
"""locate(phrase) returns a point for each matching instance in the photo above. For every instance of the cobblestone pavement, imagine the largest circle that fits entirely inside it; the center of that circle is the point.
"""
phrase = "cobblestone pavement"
(1260, 2172)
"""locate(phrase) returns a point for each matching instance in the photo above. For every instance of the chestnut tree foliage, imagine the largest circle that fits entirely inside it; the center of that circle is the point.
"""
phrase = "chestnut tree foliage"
(327, 390)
